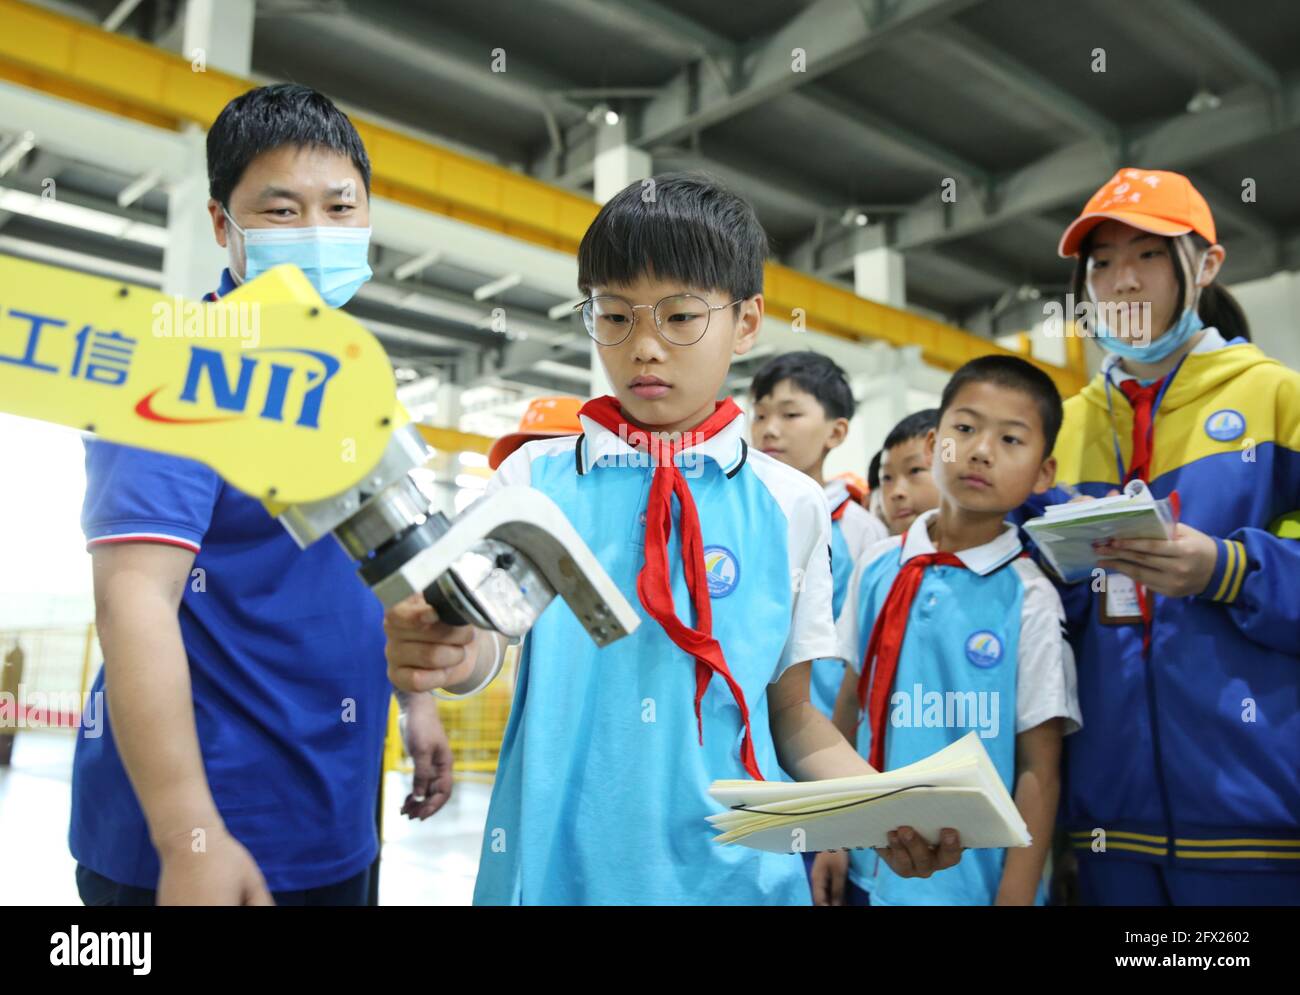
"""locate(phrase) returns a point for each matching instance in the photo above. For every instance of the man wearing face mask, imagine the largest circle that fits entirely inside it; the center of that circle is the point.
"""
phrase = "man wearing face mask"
(245, 677)
(1182, 787)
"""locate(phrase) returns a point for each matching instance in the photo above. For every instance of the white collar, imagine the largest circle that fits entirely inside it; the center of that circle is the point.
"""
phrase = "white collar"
(837, 492)
(979, 559)
(1211, 339)
(601, 447)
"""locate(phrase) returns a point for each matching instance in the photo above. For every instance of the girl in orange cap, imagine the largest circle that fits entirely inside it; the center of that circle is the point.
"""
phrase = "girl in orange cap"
(1183, 786)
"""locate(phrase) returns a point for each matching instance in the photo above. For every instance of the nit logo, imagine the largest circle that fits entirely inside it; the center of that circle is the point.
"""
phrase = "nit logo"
(209, 366)
(1225, 425)
(983, 648)
(723, 570)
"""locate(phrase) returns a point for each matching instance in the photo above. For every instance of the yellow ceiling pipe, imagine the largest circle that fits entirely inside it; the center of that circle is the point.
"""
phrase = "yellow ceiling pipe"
(82, 62)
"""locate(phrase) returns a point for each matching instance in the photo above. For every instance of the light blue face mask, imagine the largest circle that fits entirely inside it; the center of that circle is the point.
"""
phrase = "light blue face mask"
(1187, 325)
(1179, 332)
(335, 259)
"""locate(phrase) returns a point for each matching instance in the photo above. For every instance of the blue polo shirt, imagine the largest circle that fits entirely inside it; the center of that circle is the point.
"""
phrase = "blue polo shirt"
(601, 795)
(984, 650)
(286, 659)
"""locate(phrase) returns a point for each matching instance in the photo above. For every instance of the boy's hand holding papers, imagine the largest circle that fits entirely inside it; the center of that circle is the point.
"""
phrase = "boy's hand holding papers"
(956, 788)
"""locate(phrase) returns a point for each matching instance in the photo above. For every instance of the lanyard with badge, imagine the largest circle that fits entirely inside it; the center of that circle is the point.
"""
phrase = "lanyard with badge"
(1125, 601)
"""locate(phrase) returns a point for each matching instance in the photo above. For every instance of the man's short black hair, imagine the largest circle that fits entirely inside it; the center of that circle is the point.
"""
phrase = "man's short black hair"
(914, 426)
(813, 374)
(873, 470)
(1014, 373)
(269, 117)
(679, 228)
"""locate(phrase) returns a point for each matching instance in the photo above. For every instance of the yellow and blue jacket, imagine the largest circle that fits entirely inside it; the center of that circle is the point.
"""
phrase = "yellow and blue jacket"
(1191, 755)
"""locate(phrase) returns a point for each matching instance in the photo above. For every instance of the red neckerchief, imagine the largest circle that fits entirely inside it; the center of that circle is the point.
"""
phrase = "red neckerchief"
(1141, 399)
(886, 645)
(654, 582)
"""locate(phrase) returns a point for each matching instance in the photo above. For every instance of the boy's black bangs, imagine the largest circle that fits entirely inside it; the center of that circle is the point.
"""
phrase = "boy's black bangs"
(1013, 373)
(684, 230)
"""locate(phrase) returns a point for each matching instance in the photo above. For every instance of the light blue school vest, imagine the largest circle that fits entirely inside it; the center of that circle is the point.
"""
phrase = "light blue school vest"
(958, 665)
(602, 785)
(824, 682)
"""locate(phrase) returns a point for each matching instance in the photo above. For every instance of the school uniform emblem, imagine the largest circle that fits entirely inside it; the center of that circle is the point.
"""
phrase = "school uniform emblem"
(983, 648)
(723, 570)
(1225, 425)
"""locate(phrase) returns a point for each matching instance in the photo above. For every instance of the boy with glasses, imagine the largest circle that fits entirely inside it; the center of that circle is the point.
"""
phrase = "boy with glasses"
(602, 786)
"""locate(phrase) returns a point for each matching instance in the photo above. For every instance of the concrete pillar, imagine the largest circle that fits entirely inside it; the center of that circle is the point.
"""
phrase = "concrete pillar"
(218, 36)
(192, 260)
(616, 165)
(882, 396)
(222, 31)
(878, 275)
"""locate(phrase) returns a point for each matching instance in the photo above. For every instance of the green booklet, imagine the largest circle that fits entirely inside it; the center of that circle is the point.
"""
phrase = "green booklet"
(1065, 533)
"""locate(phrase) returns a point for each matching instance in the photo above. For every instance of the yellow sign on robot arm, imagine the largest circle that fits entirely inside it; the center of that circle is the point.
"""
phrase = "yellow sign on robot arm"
(285, 398)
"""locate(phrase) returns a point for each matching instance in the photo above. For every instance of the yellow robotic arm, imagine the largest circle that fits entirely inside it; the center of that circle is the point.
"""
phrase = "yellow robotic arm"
(294, 403)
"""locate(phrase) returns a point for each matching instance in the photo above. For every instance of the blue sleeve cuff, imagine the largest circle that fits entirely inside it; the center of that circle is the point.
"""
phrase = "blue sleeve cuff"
(136, 495)
(1229, 571)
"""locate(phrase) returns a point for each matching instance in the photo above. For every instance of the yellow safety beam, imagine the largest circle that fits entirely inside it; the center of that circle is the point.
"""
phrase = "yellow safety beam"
(82, 62)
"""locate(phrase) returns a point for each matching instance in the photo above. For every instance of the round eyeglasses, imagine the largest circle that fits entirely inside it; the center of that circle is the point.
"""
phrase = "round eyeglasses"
(681, 319)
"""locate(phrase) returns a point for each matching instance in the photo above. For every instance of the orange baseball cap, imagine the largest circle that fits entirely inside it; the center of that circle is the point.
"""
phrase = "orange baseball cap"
(546, 417)
(1153, 200)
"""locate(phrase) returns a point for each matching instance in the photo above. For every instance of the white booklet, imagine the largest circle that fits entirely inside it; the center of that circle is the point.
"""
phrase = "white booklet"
(956, 788)
(1065, 533)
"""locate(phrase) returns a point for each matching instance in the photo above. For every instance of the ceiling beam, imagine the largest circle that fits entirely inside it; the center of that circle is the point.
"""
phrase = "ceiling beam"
(1067, 176)
(832, 34)
(957, 46)
(764, 185)
(713, 87)
(655, 26)
(882, 136)
(1208, 36)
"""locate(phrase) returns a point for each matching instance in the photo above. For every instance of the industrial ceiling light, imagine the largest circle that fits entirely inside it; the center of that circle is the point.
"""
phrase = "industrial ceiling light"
(1203, 100)
(18, 148)
(854, 218)
(602, 113)
(87, 218)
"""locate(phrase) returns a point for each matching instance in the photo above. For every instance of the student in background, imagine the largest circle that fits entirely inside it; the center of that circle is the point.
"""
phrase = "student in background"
(601, 794)
(802, 403)
(1184, 788)
(875, 497)
(906, 482)
(953, 611)
(545, 418)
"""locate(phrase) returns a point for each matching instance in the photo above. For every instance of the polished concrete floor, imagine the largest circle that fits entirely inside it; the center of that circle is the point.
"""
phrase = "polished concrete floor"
(424, 863)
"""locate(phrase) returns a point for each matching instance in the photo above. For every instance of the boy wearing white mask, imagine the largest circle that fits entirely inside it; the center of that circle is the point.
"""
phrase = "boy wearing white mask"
(245, 677)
